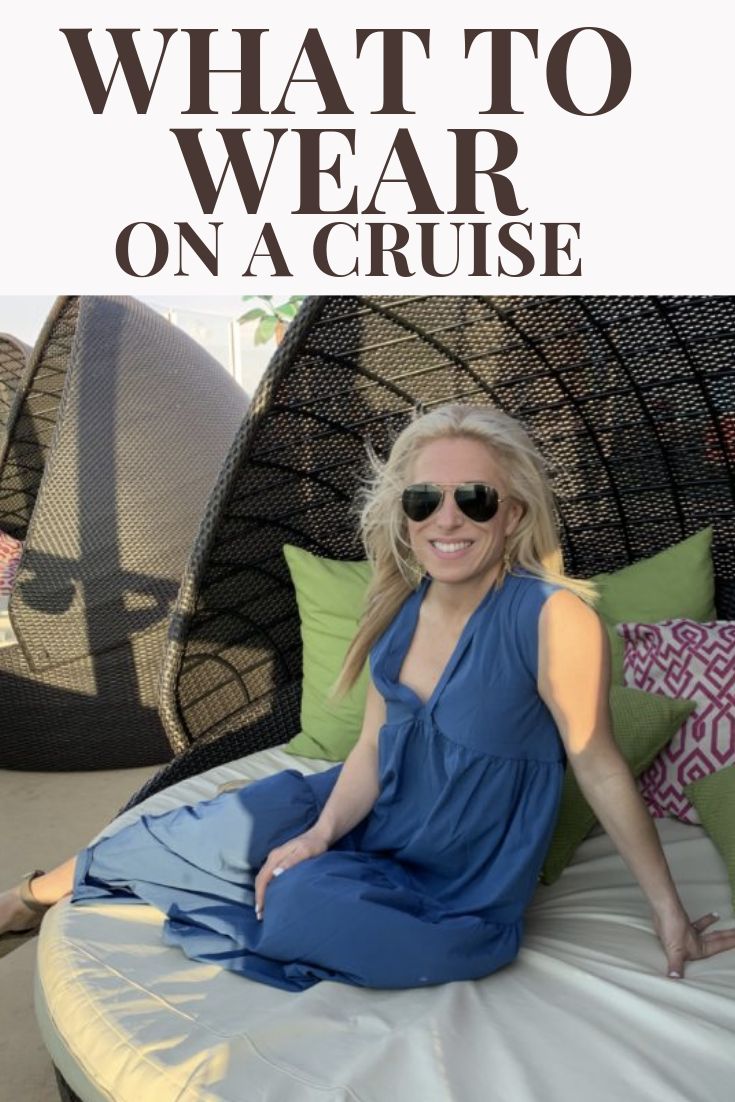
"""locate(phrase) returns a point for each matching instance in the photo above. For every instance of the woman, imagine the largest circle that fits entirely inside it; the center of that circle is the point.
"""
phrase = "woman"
(413, 862)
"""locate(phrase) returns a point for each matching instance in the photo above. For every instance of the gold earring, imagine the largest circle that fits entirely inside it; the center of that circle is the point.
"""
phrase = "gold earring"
(507, 561)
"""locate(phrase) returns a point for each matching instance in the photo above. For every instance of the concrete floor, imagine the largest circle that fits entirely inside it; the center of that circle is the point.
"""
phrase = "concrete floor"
(44, 818)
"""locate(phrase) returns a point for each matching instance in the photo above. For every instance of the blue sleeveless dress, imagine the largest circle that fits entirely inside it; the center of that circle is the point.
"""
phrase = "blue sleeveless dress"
(431, 886)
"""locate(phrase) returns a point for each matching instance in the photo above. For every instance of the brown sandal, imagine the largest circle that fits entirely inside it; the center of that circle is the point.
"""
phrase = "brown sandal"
(24, 891)
(30, 902)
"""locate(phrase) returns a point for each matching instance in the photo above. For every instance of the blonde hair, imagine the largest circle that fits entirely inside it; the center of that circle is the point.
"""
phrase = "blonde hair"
(533, 545)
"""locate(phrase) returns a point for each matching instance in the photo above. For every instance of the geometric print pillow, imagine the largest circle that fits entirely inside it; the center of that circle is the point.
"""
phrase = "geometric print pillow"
(10, 551)
(685, 659)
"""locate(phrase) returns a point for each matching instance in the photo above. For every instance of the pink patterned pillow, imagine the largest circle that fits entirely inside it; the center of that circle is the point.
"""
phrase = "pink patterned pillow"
(10, 551)
(685, 660)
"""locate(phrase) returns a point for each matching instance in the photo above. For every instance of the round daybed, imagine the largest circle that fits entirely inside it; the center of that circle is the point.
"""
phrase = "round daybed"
(114, 440)
(13, 358)
(630, 400)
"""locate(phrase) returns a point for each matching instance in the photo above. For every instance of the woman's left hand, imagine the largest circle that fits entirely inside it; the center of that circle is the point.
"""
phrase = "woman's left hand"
(683, 940)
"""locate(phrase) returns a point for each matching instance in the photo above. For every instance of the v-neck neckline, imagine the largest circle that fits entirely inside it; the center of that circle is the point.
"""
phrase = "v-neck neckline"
(458, 650)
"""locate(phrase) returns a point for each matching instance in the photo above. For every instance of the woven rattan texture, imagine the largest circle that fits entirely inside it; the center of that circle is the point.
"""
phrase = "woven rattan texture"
(32, 430)
(117, 471)
(13, 359)
(146, 419)
(631, 400)
(99, 712)
(33, 426)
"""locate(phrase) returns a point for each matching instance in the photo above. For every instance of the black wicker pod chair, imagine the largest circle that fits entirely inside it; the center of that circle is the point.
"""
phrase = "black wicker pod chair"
(113, 445)
(631, 400)
(13, 358)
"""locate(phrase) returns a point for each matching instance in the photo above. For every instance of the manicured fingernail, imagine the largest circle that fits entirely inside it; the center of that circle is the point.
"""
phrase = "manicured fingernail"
(278, 871)
(258, 914)
(675, 975)
(714, 914)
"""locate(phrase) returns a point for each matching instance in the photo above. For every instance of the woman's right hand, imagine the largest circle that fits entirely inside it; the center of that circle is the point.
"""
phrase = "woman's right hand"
(300, 848)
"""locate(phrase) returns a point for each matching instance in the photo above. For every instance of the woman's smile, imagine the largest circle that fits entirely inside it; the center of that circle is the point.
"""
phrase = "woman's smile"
(451, 549)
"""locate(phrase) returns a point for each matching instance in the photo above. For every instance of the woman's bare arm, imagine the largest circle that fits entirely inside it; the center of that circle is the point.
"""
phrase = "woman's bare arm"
(574, 682)
(356, 789)
(352, 797)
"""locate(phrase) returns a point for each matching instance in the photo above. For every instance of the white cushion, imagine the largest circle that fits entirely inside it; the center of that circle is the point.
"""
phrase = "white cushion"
(586, 1005)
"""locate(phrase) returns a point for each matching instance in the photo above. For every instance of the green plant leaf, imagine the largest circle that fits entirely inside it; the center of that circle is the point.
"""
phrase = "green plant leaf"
(251, 315)
(287, 311)
(265, 330)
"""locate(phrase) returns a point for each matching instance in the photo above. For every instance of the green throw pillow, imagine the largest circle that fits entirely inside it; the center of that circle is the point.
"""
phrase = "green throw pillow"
(642, 725)
(676, 583)
(329, 595)
(714, 799)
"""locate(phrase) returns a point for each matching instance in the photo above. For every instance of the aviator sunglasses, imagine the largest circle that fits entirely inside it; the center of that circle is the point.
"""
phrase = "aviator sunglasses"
(476, 500)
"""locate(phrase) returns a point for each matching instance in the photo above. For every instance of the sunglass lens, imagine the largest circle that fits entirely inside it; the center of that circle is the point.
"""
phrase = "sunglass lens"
(419, 502)
(477, 501)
